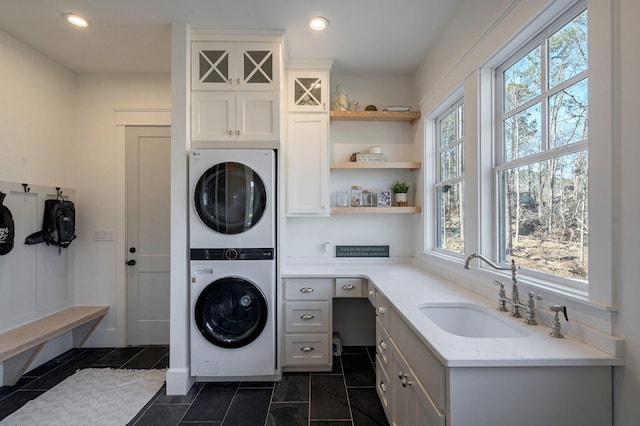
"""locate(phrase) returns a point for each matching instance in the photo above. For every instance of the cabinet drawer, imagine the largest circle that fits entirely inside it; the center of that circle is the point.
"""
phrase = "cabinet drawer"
(383, 387)
(349, 287)
(371, 294)
(308, 289)
(383, 344)
(304, 317)
(382, 310)
(307, 349)
(428, 370)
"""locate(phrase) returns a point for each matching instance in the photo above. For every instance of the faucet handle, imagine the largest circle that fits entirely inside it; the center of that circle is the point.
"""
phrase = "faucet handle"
(559, 308)
(533, 297)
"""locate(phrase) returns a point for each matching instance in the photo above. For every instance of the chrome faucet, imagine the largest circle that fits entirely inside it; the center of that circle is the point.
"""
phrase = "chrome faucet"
(515, 296)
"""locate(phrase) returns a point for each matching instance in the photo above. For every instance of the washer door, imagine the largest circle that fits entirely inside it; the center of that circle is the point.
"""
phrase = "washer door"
(230, 198)
(231, 312)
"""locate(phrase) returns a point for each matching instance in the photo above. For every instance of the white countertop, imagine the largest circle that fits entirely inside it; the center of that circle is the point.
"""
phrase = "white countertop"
(406, 286)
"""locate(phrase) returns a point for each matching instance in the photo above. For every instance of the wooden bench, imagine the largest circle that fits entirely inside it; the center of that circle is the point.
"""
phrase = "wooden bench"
(20, 346)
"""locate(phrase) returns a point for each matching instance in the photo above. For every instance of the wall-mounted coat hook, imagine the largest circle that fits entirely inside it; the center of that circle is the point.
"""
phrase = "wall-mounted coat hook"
(58, 192)
(25, 187)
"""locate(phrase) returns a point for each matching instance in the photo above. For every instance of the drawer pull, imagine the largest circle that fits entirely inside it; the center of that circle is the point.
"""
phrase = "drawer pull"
(383, 387)
(307, 317)
(383, 345)
(348, 287)
(403, 379)
(381, 310)
(371, 293)
(307, 348)
(306, 290)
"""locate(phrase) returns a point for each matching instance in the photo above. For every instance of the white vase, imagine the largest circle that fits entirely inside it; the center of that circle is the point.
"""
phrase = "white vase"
(401, 198)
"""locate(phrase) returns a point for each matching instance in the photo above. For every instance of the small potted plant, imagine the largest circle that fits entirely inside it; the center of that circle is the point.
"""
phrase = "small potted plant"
(400, 190)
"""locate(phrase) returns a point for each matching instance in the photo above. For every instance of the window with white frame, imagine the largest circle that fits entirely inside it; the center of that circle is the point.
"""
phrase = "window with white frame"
(449, 184)
(542, 152)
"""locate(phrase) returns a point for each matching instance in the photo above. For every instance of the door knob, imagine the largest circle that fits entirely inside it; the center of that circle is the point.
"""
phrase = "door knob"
(131, 262)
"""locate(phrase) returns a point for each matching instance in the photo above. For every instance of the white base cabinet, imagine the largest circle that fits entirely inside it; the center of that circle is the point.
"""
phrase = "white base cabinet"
(307, 324)
(411, 403)
(416, 388)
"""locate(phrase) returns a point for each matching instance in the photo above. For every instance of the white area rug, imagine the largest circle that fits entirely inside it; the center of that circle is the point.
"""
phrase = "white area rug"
(94, 396)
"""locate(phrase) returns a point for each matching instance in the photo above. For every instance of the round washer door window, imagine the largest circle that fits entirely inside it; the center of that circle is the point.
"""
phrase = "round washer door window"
(230, 198)
(231, 312)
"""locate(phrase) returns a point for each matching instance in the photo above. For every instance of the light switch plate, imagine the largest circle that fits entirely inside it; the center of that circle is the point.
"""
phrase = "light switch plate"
(103, 234)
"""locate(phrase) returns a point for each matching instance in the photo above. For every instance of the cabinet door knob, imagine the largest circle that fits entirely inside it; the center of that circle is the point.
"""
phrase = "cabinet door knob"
(307, 348)
(383, 387)
(238, 132)
(306, 290)
(382, 310)
(230, 132)
(383, 345)
(307, 317)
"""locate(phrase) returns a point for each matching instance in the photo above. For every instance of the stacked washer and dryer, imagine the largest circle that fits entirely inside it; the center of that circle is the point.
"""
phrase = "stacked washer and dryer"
(232, 229)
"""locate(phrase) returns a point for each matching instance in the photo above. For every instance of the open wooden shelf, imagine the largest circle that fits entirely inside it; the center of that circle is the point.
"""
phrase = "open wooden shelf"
(411, 165)
(375, 210)
(410, 116)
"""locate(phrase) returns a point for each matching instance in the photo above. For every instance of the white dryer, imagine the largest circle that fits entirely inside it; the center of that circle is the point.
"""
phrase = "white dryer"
(233, 313)
(233, 198)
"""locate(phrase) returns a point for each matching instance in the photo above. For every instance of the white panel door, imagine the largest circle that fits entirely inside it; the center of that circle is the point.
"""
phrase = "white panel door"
(307, 174)
(148, 234)
(257, 116)
(213, 116)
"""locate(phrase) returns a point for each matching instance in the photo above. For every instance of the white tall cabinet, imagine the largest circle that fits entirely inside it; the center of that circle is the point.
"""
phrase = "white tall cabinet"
(307, 139)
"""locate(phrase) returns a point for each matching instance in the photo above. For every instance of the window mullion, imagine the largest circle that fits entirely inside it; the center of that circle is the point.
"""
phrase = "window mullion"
(544, 107)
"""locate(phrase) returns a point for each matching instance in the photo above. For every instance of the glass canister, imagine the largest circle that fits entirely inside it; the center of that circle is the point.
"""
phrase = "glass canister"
(356, 196)
(342, 198)
(368, 199)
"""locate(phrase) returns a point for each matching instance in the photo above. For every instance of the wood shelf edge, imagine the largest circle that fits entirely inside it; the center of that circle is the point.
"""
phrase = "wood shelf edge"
(411, 165)
(376, 210)
(409, 116)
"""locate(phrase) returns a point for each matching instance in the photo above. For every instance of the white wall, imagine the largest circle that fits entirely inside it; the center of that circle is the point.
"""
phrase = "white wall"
(477, 32)
(627, 379)
(36, 117)
(99, 167)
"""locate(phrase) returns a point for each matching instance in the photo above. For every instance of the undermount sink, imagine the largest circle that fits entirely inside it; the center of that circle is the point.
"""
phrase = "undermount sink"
(469, 320)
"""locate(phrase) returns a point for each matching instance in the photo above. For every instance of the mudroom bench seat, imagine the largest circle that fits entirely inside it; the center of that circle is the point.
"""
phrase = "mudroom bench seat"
(20, 346)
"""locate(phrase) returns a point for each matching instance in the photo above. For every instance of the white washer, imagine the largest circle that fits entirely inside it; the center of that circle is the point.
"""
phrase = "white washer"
(233, 314)
(232, 198)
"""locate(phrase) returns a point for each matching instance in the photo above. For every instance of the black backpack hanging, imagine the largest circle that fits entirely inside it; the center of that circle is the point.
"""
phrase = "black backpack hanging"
(7, 227)
(58, 224)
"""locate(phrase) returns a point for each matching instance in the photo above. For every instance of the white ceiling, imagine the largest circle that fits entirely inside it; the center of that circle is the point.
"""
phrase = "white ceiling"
(364, 36)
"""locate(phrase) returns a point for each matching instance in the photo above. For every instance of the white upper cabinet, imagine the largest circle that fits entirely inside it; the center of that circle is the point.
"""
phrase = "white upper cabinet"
(235, 117)
(235, 66)
(308, 90)
(307, 165)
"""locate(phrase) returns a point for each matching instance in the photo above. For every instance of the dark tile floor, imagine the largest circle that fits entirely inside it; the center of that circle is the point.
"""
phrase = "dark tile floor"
(345, 396)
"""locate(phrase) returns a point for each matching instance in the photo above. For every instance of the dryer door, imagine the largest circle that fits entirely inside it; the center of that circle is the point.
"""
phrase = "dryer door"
(230, 198)
(231, 312)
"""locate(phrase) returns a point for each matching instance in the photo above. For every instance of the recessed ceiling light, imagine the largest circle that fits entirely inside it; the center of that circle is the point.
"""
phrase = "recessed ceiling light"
(318, 23)
(76, 20)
